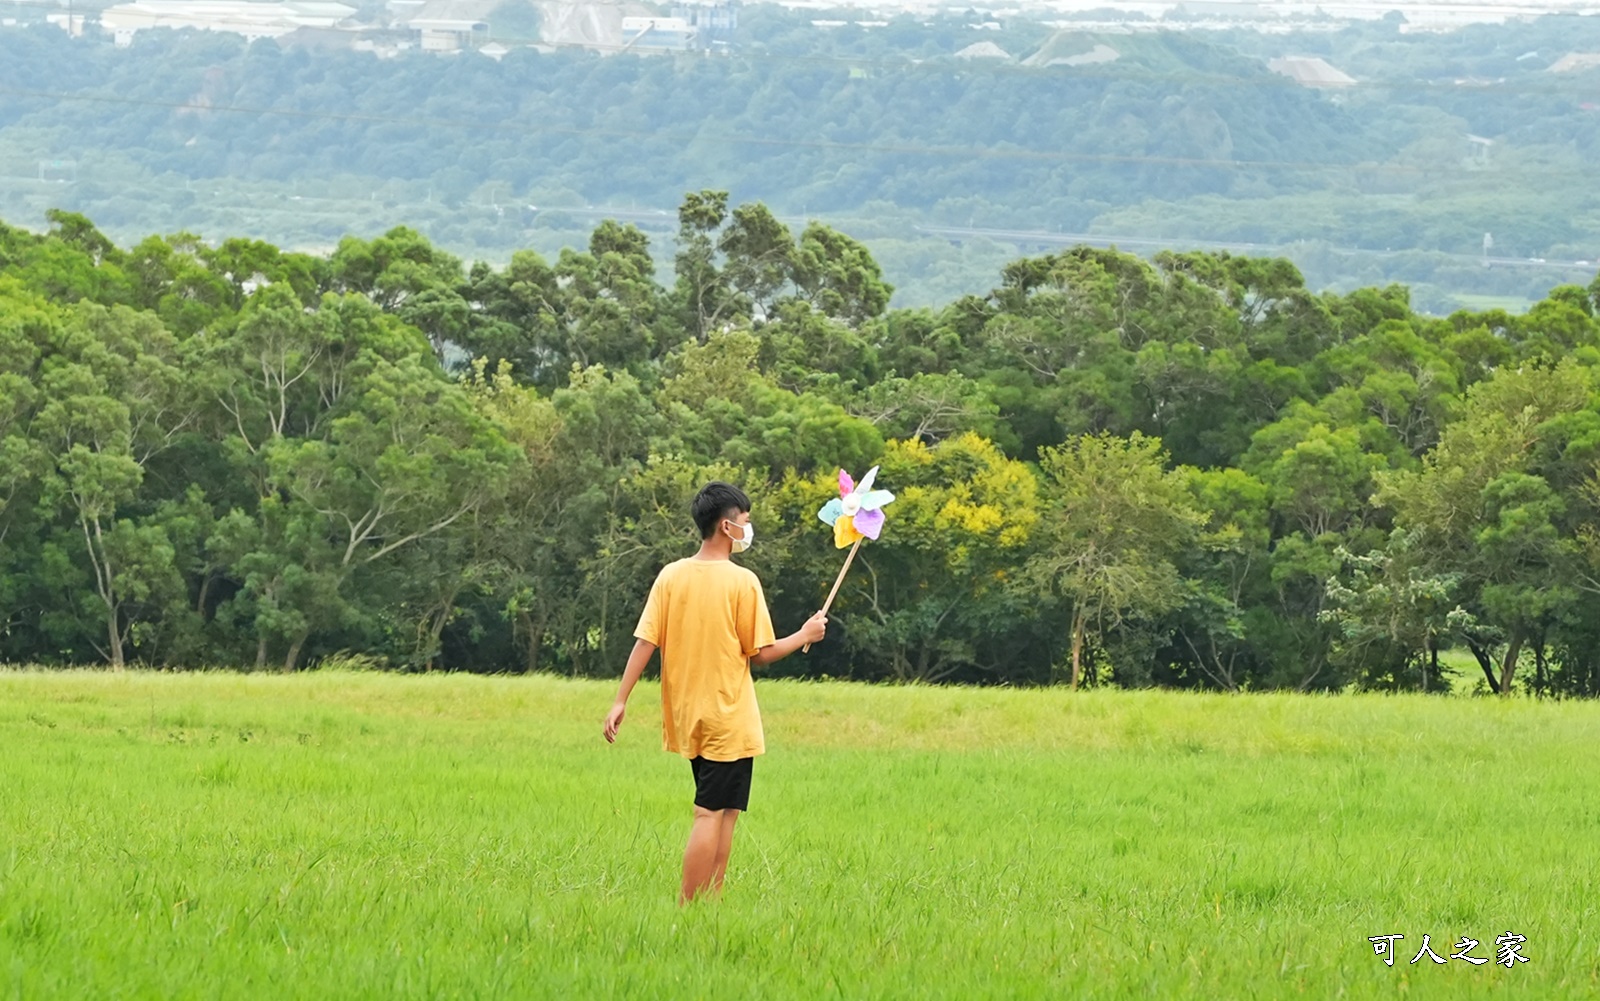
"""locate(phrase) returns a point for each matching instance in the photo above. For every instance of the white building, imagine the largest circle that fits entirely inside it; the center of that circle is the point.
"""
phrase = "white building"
(72, 24)
(242, 17)
(449, 25)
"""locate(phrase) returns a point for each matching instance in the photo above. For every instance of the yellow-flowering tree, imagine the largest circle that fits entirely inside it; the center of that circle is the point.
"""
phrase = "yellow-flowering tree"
(928, 600)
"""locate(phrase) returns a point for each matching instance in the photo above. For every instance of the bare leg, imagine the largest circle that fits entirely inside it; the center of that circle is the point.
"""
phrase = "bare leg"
(724, 846)
(700, 857)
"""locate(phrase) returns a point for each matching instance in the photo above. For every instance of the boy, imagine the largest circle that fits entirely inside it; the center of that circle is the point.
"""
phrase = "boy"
(709, 619)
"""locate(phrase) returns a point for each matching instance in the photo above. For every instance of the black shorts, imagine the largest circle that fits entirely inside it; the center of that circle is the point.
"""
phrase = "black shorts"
(721, 785)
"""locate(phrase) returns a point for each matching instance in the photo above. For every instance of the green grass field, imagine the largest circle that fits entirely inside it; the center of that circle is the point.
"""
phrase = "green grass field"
(367, 836)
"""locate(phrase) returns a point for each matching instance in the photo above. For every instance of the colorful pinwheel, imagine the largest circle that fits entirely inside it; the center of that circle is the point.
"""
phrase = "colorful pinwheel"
(857, 513)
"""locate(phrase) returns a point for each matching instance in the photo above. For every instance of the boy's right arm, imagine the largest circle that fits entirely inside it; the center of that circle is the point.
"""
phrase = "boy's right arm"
(637, 662)
(815, 629)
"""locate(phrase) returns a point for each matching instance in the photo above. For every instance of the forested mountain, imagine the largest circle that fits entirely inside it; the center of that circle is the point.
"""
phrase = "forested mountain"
(813, 132)
(1192, 472)
(1185, 137)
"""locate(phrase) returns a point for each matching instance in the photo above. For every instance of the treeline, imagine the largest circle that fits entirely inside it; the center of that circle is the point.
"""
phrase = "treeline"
(1192, 472)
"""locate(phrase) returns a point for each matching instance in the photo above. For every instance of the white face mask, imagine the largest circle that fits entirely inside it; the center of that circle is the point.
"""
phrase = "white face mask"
(745, 539)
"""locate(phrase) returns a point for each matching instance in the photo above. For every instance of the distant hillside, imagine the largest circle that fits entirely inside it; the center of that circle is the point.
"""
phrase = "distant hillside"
(1138, 135)
(788, 131)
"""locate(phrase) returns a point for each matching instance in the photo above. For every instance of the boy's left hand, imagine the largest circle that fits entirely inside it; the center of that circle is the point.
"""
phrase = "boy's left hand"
(613, 721)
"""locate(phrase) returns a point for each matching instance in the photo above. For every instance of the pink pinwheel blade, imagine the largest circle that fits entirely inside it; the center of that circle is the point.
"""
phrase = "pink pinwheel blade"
(846, 484)
(869, 523)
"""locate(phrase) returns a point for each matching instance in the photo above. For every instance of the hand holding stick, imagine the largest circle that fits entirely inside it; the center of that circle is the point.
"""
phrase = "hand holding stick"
(837, 581)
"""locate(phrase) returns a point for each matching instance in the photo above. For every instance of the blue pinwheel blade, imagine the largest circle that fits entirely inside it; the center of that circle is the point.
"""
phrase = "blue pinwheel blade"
(874, 499)
(831, 511)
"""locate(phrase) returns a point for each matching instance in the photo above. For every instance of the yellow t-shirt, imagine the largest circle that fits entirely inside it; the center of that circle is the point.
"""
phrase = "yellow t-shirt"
(708, 617)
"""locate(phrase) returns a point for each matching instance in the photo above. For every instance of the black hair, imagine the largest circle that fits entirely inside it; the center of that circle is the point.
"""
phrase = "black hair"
(714, 502)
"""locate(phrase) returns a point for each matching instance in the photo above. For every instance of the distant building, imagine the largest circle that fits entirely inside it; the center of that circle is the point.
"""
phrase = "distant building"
(841, 24)
(72, 24)
(713, 23)
(452, 25)
(241, 17)
(1226, 10)
(691, 26)
(442, 26)
(383, 44)
(319, 39)
(1311, 71)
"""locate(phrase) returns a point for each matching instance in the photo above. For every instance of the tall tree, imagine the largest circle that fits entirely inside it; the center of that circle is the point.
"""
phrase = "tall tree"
(1115, 519)
(1489, 504)
(114, 397)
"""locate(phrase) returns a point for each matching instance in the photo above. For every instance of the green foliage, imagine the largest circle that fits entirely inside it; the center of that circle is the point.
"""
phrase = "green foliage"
(1116, 520)
(1191, 471)
(1501, 503)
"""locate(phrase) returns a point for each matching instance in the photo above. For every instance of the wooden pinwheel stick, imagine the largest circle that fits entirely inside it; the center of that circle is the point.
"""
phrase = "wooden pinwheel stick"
(837, 581)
